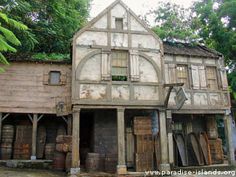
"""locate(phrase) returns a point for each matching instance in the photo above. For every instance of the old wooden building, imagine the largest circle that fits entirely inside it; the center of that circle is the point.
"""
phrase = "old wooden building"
(120, 91)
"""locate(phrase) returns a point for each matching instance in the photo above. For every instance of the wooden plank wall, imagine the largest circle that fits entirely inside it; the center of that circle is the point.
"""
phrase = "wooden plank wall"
(22, 89)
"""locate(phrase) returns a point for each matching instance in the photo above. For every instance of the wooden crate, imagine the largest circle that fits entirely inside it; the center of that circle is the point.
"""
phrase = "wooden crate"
(24, 134)
(144, 161)
(216, 150)
(142, 126)
(144, 143)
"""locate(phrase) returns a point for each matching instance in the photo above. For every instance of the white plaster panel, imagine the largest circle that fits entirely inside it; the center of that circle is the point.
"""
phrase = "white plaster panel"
(181, 59)
(215, 99)
(156, 57)
(80, 53)
(101, 23)
(200, 99)
(168, 58)
(147, 71)
(120, 92)
(145, 41)
(92, 38)
(91, 70)
(119, 40)
(210, 61)
(92, 91)
(146, 93)
(196, 60)
(136, 26)
(119, 12)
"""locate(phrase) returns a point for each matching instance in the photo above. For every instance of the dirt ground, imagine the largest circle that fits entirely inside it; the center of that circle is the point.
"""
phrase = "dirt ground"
(13, 172)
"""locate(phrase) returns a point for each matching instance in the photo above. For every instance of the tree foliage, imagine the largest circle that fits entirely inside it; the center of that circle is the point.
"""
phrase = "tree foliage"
(8, 39)
(51, 23)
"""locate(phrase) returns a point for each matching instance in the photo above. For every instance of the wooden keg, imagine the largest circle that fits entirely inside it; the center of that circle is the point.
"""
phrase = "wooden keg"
(49, 151)
(59, 161)
(7, 133)
(111, 162)
(6, 151)
(92, 161)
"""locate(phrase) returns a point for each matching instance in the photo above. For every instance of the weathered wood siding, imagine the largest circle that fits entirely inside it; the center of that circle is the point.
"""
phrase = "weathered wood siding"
(23, 88)
(200, 97)
(92, 48)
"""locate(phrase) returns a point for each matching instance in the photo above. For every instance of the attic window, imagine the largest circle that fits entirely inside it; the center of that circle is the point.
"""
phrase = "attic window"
(119, 23)
(54, 77)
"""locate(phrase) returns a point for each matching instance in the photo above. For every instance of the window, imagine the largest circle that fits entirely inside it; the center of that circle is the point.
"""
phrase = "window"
(182, 75)
(211, 78)
(119, 65)
(119, 23)
(54, 77)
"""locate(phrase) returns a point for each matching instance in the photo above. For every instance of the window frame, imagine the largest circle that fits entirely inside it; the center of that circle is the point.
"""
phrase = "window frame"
(127, 65)
(121, 20)
(186, 86)
(49, 78)
(215, 79)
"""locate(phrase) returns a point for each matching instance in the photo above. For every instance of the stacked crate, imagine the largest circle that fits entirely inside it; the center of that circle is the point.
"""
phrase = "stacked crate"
(215, 143)
(144, 146)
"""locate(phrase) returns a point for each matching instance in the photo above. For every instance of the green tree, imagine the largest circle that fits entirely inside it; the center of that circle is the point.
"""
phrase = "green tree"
(52, 23)
(174, 23)
(8, 40)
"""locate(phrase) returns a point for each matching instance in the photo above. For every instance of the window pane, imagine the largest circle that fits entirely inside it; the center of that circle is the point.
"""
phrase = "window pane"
(182, 75)
(119, 23)
(55, 77)
(119, 65)
(212, 78)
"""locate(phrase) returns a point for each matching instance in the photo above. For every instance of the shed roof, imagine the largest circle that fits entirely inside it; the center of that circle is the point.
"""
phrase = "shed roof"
(177, 48)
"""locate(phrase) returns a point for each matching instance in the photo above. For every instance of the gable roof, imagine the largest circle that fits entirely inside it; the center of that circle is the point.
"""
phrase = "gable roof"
(106, 10)
(177, 48)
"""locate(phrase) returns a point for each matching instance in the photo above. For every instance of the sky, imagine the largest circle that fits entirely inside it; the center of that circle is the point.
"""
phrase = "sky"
(140, 7)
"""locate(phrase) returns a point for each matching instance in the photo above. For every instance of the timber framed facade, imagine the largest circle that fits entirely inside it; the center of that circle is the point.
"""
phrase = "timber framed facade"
(115, 93)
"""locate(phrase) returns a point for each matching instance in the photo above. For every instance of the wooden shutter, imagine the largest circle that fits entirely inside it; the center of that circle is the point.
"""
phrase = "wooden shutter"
(63, 78)
(195, 77)
(202, 77)
(134, 66)
(172, 73)
(224, 81)
(106, 65)
(46, 78)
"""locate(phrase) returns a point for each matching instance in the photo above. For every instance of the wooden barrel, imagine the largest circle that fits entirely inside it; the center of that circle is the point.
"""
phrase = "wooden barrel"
(110, 162)
(68, 160)
(59, 161)
(7, 133)
(61, 130)
(22, 151)
(41, 140)
(6, 151)
(49, 151)
(92, 161)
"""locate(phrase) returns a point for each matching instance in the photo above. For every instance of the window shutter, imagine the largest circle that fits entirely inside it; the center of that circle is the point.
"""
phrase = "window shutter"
(224, 81)
(46, 78)
(63, 78)
(202, 77)
(172, 73)
(106, 65)
(134, 66)
(167, 81)
(195, 77)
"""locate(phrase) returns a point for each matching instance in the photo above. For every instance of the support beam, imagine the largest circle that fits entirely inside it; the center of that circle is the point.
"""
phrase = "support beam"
(164, 166)
(75, 142)
(170, 136)
(229, 140)
(34, 136)
(1, 126)
(121, 167)
(69, 125)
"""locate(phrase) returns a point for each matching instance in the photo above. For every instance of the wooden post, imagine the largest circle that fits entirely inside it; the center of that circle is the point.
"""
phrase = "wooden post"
(34, 136)
(69, 125)
(1, 126)
(121, 167)
(164, 166)
(75, 141)
(229, 140)
(170, 136)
